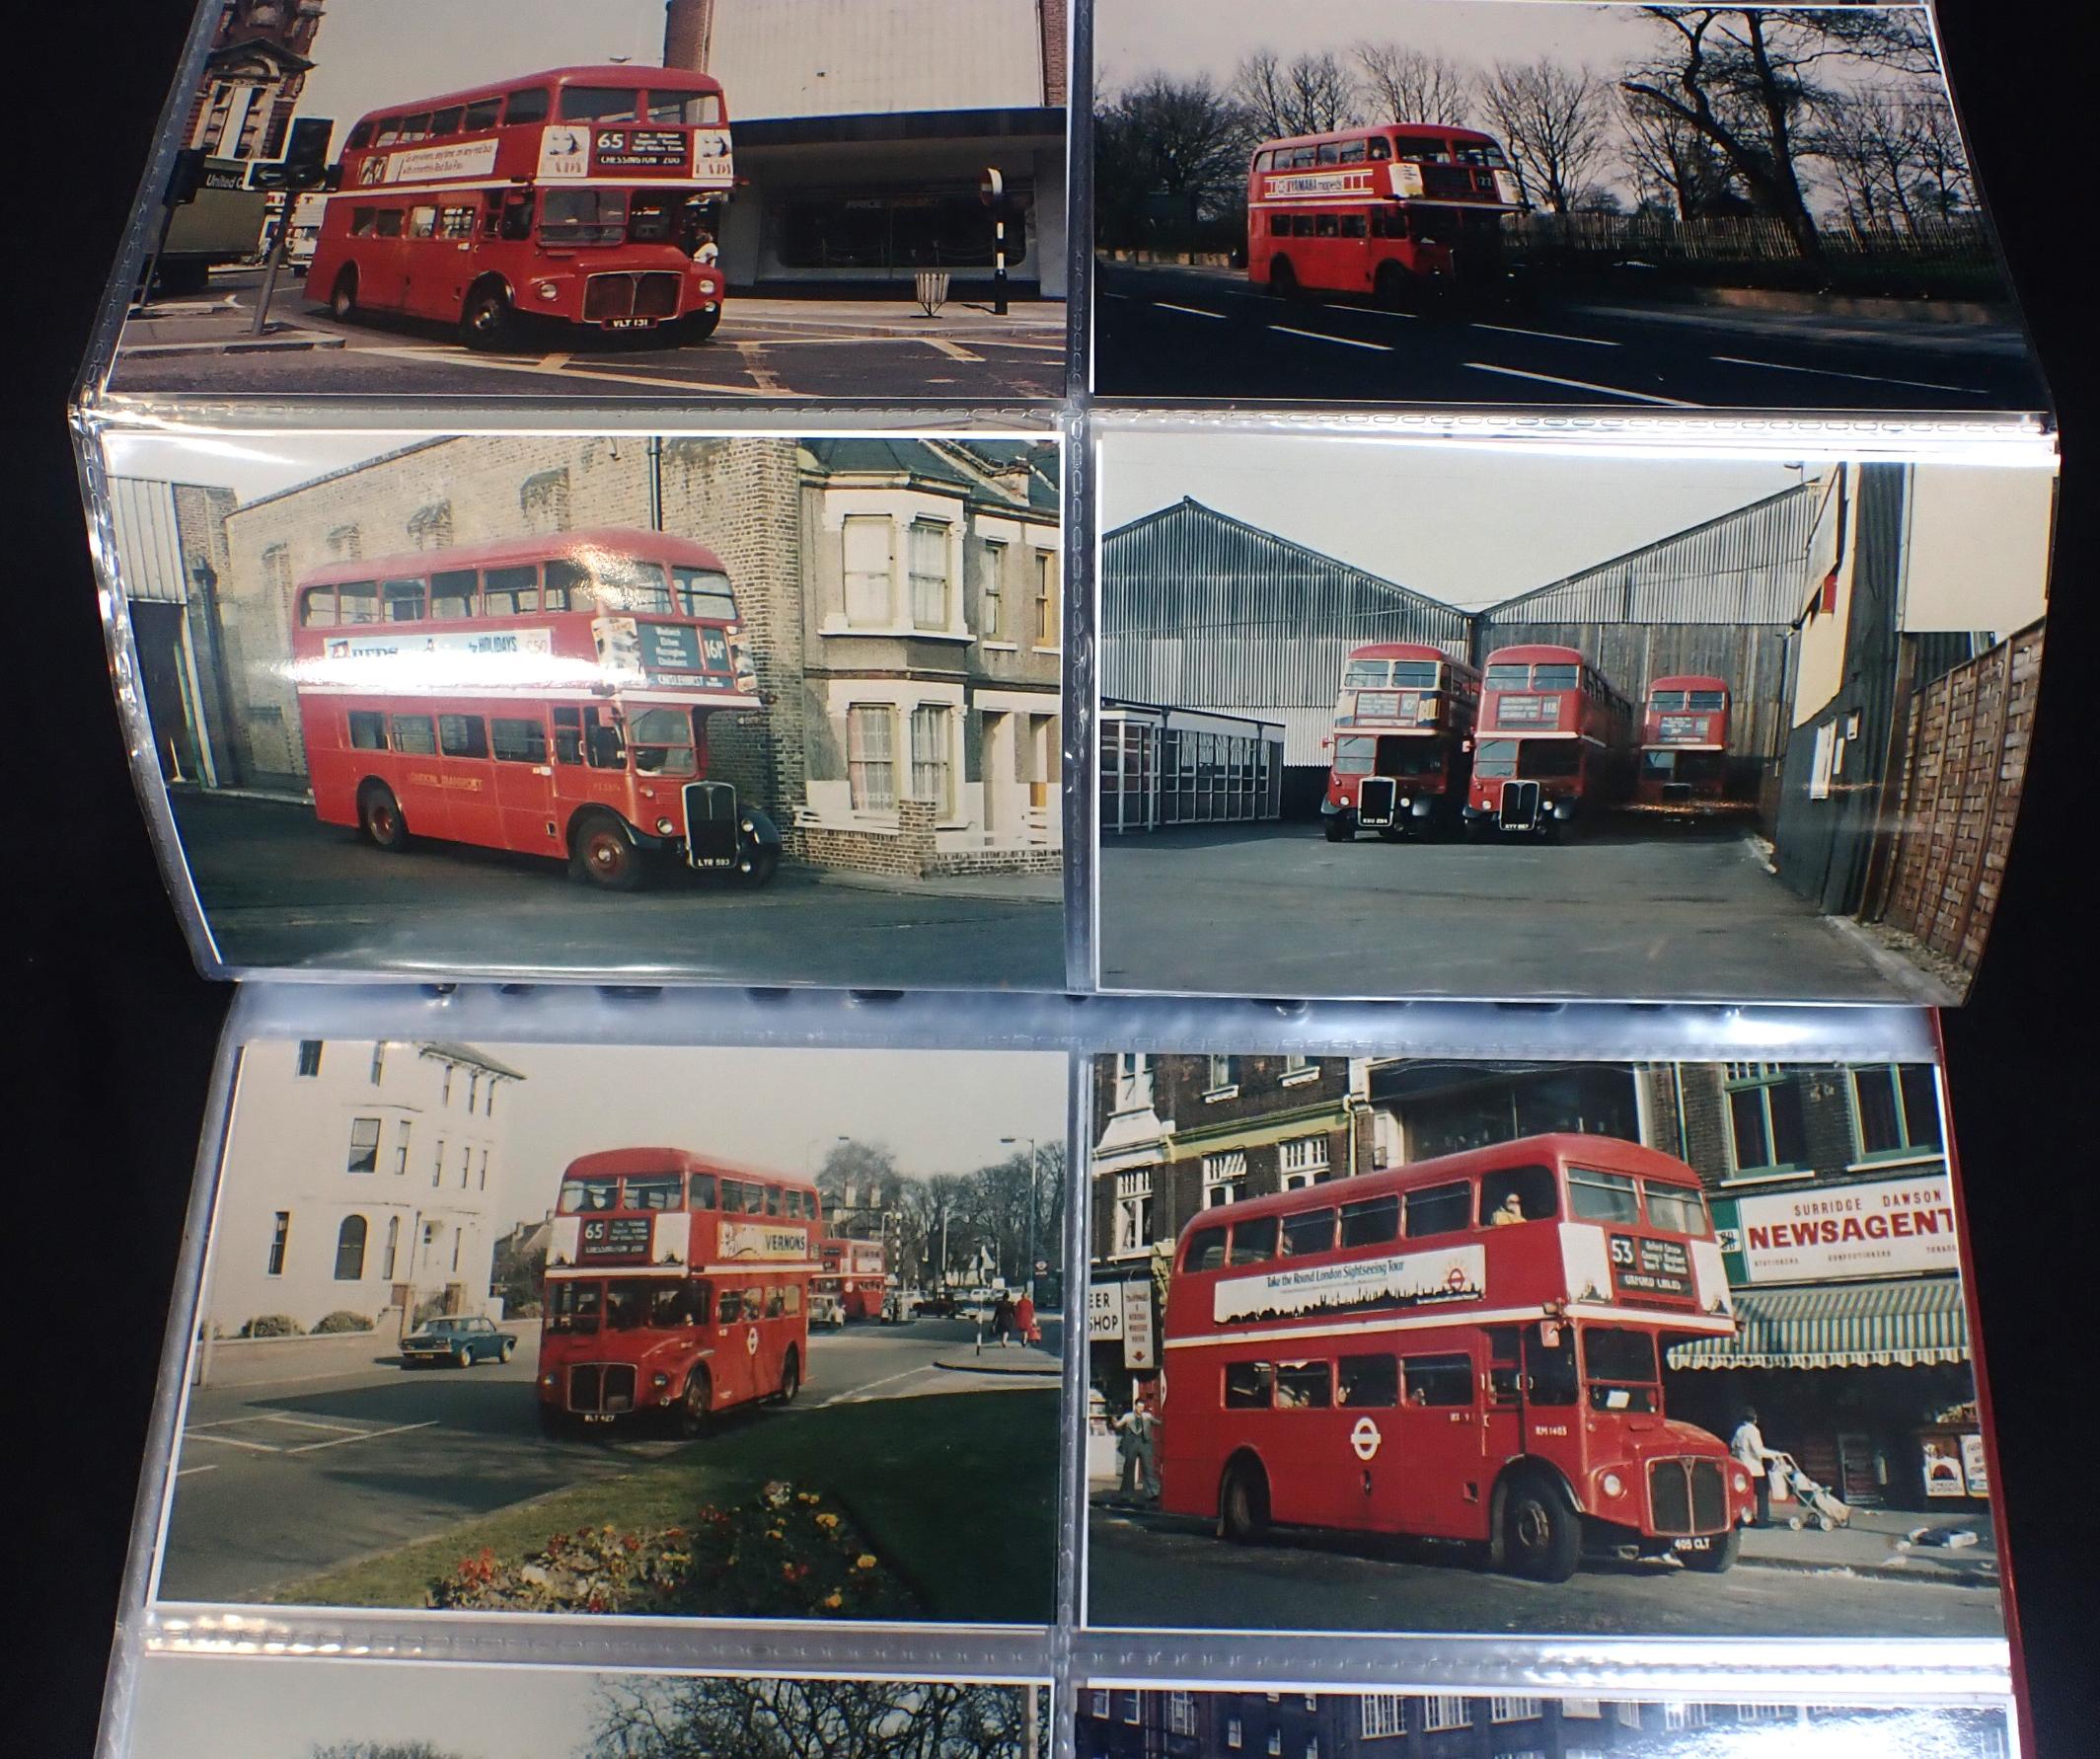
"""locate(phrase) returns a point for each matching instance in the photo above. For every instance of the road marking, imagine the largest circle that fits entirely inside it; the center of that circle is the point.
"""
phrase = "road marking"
(555, 363)
(363, 1435)
(192, 1471)
(272, 1416)
(1830, 372)
(1194, 311)
(761, 374)
(1588, 342)
(254, 1447)
(953, 351)
(1546, 378)
(415, 356)
(862, 1391)
(1347, 341)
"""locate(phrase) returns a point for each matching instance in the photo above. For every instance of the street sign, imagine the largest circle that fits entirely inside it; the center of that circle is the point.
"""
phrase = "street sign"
(1137, 1324)
(1105, 1313)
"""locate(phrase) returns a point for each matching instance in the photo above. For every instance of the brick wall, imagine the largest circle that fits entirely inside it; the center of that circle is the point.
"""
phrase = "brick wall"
(1056, 73)
(1962, 760)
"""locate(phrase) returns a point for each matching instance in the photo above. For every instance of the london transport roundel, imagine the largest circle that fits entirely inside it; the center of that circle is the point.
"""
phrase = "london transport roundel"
(1364, 1438)
(751, 1341)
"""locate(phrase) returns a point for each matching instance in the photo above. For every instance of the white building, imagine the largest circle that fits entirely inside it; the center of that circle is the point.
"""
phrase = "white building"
(862, 128)
(359, 1178)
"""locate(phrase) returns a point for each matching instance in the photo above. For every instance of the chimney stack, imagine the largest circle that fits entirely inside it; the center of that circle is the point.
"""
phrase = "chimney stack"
(688, 30)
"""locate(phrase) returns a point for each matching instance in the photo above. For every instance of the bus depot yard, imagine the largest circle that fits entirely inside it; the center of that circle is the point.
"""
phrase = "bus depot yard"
(1625, 908)
(373, 1487)
(768, 348)
(1164, 329)
(287, 891)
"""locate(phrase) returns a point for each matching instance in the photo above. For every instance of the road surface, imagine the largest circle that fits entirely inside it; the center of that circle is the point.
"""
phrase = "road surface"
(1209, 333)
(1619, 912)
(1153, 1570)
(278, 1481)
(767, 350)
(283, 890)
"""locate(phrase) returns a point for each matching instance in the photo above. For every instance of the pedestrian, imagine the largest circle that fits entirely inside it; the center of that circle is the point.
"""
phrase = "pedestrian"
(1748, 1447)
(1002, 1320)
(1025, 1319)
(1133, 1433)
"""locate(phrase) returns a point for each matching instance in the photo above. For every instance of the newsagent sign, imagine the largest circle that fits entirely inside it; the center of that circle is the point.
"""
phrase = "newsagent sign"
(1896, 1227)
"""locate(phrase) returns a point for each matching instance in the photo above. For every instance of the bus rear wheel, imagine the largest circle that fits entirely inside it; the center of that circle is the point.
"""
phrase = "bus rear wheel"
(1719, 1556)
(695, 1407)
(1541, 1537)
(379, 818)
(790, 1378)
(1243, 1503)
(343, 296)
(486, 321)
(1283, 278)
(603, 854)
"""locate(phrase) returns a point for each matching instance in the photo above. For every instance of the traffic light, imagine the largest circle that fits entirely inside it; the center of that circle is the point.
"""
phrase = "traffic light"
(305, 162)
(186, 176)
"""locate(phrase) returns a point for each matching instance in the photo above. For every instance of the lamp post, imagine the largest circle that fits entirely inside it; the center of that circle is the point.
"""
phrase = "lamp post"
(1014, 1142)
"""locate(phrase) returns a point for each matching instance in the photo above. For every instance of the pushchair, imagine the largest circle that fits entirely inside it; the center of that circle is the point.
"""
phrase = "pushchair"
(1820, 1507)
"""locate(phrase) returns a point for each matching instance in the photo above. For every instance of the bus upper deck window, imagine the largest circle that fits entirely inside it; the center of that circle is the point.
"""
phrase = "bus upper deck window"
(401, 600)
(528, 105)
(415, 128)
(701, 1187)
(482, 115)
(1441, 1209)
(360, 136)
(655, 1190)
(1206, 1249)
(317, 608)
(1555, 677)
(1602, 1196)
(1372, 1222)
(1518, 1194)
(1310, 1232)
(703, 592)
(1676, 1209)
(511, 592)
(1254, 1239)
(600, 104)
(447, 121)
(452, 596)
(772, 1200)
(562, 579)
(1380, 147)
(1330, 152)
(1353, 152)
(357, 602)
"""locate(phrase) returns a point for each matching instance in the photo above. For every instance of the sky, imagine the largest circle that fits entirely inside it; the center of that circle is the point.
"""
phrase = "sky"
(780, 1109)
(1460, 523)
(208, 1707)
(251, 465)
(360, 64)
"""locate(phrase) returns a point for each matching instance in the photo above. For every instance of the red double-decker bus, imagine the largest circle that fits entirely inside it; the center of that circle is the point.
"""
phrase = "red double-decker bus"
(591, 194)
(1466, 1349)
(1683, 744)
(861, 1270)
(1553, 740)
(547, 695)
(1401, 745)
(1393, 211)
(676, 1284)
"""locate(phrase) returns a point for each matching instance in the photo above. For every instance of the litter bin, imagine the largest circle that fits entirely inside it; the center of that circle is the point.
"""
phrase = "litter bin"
(931, 288)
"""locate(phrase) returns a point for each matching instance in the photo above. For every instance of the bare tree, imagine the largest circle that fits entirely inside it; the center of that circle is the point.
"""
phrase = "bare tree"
(1409, 85)
(931, 1225)
(787, 1719)
(1870, 146)
(383, 1749)
(858, 1182)
(1553, 121)
(1944, 186)
(1671, 162)
(1307, 95)
(1183, 142)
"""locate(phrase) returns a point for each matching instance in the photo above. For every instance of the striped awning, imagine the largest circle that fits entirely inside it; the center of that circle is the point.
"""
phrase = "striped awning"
(1908, 1323)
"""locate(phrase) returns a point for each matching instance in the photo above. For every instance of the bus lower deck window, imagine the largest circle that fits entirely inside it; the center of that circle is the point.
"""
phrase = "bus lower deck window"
(1371, 1382)
(463, 736)
(517, 741)
(368, 731)
(1250, 1386)
(1304, 1386)
(413, 735)
(732, 1308)
(1438, 1380)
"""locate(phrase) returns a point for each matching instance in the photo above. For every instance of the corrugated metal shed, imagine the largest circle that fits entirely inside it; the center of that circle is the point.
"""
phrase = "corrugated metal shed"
(148, 543)
(1718, 598)
(1205, 611)
(869, 57)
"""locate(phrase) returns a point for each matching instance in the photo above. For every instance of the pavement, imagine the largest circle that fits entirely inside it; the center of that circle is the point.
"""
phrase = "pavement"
(1193, 332)
(283, 890)
(1633, 911)
(1024, 1359)
(766, 348)
(279, 1481)
(1145, 1568)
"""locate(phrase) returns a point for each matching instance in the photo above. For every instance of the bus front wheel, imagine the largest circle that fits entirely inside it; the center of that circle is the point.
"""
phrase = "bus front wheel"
(689, 1416)
(1542, 1536)
(1243, 1503)
(1341, 828)
(756, 863)
(700, 325)
(379, 817)
(603, 854)
(486, 321)
(790, 1378)
(1719, 1556)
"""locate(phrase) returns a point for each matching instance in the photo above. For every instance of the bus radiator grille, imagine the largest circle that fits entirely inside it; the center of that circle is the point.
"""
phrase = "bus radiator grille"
(1374, 801)
(1670, 1496)
(1710, 1497)
(1520, 805)
(653, 294)
(585, 1386)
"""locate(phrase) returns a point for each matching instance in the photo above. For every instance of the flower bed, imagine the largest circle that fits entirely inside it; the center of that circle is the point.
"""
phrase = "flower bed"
(779, 1552)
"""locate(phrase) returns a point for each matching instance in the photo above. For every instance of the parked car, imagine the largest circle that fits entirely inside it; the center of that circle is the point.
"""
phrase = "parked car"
(939, 1305)
(826, 1310)
(459, 1342)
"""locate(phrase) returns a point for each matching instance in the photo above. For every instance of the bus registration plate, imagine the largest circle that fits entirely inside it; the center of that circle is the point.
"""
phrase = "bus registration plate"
(631, 323)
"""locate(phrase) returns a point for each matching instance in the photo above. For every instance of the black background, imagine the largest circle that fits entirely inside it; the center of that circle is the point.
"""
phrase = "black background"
(115, 1032)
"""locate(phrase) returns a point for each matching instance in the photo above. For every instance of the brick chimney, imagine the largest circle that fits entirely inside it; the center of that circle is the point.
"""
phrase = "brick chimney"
(689, 30)
(1051, 15)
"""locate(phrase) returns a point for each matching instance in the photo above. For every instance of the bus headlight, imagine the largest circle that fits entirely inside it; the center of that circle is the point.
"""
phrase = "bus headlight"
(1613, 1484)
(664, 827)
(547, 291)
(547, 1380)
(1742, 1485)
(660, 1380)
(746, 825)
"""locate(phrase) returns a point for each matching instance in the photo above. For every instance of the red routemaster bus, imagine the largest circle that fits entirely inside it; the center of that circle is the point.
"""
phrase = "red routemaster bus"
(1466, 1349)
(860, 1272)
(591, 194)
(548, 695)
(1401, 745)
(676, 1284)
(1684, 743)
(1554, 738)
(1390, 211)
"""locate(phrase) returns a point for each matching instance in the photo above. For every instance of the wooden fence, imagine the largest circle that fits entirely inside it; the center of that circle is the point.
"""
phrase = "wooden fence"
(1654, 237)
(1963, 756)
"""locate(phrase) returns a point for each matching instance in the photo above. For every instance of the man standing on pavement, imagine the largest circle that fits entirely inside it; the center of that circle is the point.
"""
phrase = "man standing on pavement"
(1748, 1447)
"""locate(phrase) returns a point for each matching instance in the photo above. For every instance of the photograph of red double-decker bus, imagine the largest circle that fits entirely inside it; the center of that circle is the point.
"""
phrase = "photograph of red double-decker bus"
(858, 1275)
(1386, 1343)
(532, 197)
(612, 1253)
(1402, 741)
(1556, 740)
(789, 703)
(1717, 724)
(1493, 202)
